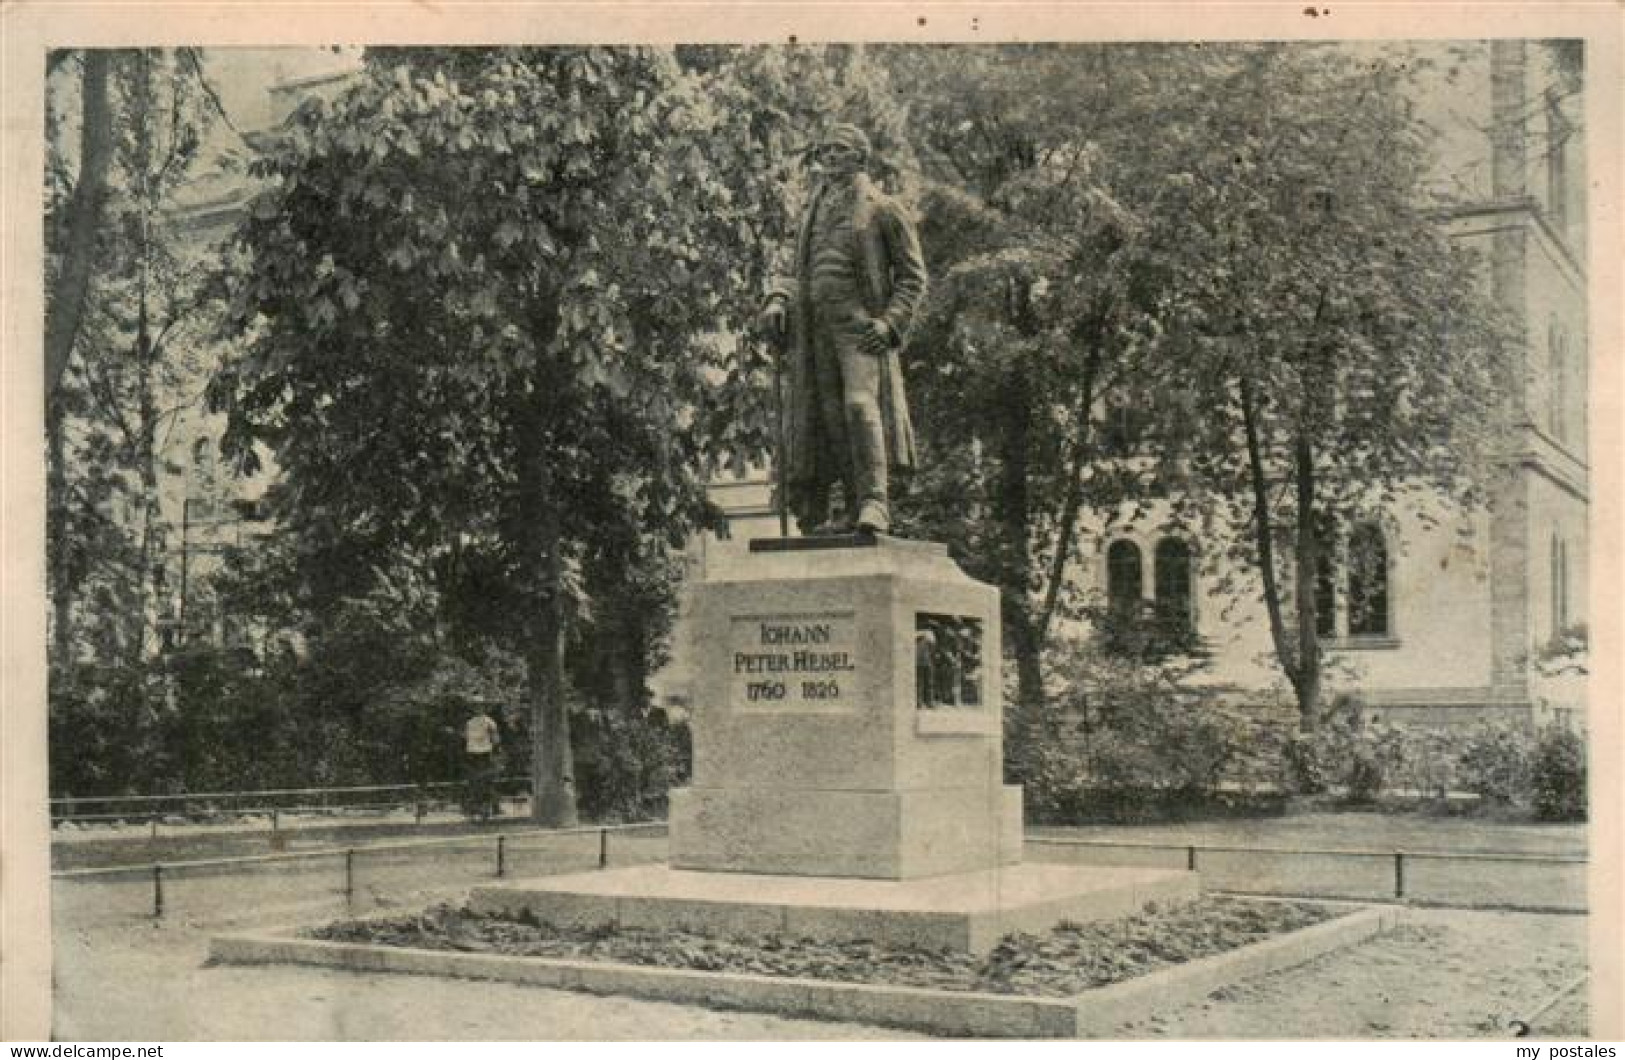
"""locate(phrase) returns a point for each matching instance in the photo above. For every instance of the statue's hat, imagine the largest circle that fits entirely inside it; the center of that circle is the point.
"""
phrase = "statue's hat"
(845, 134)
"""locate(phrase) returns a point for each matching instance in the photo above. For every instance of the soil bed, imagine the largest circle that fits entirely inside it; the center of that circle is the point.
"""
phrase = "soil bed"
(1068, 960)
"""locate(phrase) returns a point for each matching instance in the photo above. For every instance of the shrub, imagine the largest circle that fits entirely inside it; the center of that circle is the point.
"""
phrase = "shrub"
(1558, 775)
(1494, 761)
(1127, 736)
(1345, 754)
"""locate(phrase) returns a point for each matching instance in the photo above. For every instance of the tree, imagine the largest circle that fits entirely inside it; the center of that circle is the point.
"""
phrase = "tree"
(482, 305)
(1328, 352)
(125, 312)
(79, 214)
(1037, 173)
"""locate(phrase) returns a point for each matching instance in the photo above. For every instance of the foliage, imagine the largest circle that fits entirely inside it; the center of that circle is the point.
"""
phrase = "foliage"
(126, 312)
(1033, 159)
(1493, 760)
(129, 360)
(1347, 753)
(1568, 653)
(1558, 775)
(104, 730)
(1327, 349)
(483, 297)
(1134, 735)
(629, 762)
(1063, 962)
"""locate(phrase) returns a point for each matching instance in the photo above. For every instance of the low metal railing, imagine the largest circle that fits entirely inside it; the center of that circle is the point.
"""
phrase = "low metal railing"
(1402, 861)
(152, 809)
(347, 857)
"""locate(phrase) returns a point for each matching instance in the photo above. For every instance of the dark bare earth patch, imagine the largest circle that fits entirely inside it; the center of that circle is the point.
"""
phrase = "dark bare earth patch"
(1069, 959)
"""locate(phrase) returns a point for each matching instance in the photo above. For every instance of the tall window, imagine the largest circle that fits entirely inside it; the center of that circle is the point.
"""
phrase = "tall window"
(1560, 585)
(1173, 586)
(1123, 430)
(1368, 582)
(1123, 577)
(1557, 381)
(1558, 135)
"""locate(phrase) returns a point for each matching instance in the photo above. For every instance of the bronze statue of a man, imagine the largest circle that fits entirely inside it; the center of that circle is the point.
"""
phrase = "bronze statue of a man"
(846, 315)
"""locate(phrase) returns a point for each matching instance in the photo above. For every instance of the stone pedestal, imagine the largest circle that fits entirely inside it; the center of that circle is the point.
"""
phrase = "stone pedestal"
(847, 768)
(847, 716)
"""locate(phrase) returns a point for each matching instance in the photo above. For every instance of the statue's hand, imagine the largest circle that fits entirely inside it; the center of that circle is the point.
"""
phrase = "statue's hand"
(773, 318)
(876, 337)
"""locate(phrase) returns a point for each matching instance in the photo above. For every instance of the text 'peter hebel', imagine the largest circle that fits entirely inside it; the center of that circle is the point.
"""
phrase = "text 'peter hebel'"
(800, 661)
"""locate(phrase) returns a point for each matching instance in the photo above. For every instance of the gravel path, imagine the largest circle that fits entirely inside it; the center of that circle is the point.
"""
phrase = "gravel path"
(1445, 974)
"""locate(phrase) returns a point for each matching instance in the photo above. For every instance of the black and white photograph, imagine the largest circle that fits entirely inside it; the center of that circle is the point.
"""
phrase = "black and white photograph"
(786, 523)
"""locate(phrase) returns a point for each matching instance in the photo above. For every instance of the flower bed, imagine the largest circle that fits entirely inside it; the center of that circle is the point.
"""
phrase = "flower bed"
(1069, 959)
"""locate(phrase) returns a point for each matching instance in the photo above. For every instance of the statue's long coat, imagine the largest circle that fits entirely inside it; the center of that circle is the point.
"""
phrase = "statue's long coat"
(891, 279)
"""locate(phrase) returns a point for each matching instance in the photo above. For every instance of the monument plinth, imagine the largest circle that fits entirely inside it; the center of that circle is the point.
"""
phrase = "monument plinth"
(847, 775)
(847, 716)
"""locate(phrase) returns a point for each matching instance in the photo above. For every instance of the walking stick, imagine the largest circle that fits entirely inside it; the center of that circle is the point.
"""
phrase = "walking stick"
(780, 472)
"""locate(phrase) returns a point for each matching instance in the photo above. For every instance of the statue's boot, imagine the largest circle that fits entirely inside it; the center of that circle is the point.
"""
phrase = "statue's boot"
(867, 438)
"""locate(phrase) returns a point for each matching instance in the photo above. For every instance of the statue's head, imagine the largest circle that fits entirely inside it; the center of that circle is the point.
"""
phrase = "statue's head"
(842, 151)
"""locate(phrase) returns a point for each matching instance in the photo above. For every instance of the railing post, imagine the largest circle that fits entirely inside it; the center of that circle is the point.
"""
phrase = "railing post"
(1190, 857)
(157, 891)
(502, 856)
(1399, 874)
(153, 823)
(603, 848)
(349, 875)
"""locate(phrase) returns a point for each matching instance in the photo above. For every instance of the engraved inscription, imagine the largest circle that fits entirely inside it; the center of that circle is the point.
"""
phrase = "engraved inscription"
(792, 662)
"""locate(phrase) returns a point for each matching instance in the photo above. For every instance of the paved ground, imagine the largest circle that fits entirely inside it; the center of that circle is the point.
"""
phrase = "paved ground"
(1446, 974)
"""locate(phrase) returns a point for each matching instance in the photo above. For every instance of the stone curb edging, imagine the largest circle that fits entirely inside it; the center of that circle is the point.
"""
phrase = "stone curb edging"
(1136, 999)
(954, 1013)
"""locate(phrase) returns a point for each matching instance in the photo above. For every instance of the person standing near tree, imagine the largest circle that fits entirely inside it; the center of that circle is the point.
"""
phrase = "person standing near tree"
(844, 318)
(481, 738)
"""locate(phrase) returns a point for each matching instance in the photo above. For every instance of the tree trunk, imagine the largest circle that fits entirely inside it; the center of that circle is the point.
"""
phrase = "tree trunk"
(1016, 562)
(1067, 523)
(62, 579)
(66, 305)
(145, 610)
(1264, 540)
(1306, 685)
(552, 764)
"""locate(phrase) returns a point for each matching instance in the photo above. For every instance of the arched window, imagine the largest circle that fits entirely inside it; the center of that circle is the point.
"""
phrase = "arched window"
(1368, 582)
(203, 460)
(1123, 577)
(200, 490)
(1173, 586)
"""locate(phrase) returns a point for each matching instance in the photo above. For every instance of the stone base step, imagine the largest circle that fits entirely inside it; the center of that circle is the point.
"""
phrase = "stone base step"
(967, 911)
